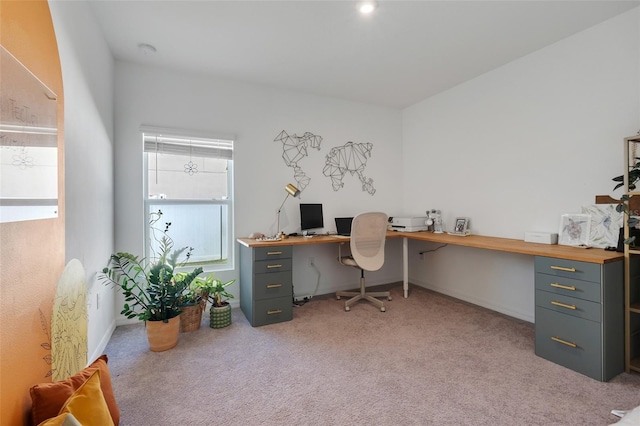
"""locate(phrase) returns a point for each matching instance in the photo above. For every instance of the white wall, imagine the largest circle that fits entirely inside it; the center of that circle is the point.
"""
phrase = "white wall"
(512, 149)
(256, 115)
(88, 76)
(517, 147)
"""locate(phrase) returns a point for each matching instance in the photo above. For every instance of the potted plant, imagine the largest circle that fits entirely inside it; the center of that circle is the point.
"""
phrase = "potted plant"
(192, 304)
(153, 289)
(220, 312)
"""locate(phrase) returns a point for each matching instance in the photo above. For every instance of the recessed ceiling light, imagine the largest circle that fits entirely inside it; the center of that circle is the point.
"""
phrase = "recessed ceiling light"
(367, 7)
(146, 49)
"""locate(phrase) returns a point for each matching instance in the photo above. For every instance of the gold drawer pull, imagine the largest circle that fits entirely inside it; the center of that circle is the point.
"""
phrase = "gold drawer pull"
(564, 342)
(273, 253)
(562, 268)
(564, 287)
(274, 266)
(562, 305)
(275, 311)
(274, 285)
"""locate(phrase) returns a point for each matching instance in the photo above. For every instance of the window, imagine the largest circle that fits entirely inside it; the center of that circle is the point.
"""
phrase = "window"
(189, 184)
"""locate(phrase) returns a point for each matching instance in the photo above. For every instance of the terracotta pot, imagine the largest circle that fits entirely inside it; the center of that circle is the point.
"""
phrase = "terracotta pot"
(163, 335)
(220, 317)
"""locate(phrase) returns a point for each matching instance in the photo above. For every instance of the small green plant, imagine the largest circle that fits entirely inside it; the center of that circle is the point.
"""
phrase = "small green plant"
(216, 290)
(623, 205)
(196, 292)
(634, 176)
(632, 218)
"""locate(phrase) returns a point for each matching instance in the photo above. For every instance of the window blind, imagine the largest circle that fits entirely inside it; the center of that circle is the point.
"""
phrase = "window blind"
(164, 142)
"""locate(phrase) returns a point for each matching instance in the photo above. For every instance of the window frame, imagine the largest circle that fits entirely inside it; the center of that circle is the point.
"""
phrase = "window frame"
(229, 201)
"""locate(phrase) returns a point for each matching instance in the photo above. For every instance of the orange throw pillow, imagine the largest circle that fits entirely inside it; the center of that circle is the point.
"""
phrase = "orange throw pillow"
(48, 398)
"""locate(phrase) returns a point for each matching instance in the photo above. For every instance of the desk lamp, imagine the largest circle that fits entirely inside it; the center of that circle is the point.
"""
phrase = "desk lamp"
(291, 190)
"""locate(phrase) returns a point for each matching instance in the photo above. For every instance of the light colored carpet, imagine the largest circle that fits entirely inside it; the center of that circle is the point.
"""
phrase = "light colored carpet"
(428, 360)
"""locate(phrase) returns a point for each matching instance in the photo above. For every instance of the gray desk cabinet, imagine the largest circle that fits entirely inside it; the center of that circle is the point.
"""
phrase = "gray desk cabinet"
(266, 284)
(579, 316)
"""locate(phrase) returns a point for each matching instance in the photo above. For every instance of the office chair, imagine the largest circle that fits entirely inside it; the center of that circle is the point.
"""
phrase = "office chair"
(368, 234)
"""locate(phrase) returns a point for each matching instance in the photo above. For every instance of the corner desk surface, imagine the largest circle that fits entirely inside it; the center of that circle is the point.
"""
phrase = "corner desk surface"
(591, 255)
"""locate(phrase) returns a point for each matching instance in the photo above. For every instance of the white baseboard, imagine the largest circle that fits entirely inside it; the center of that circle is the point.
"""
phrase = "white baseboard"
(103, 343)
(480, 302)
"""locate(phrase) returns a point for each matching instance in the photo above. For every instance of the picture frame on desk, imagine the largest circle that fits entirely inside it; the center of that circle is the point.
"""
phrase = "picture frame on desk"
(574, 229)
(461, 226)
(606, 221)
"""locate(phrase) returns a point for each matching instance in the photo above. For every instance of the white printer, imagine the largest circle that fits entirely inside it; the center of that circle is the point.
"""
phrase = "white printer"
(408, 224)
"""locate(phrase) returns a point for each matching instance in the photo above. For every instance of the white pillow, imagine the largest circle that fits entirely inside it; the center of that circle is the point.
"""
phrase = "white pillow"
(631, 418)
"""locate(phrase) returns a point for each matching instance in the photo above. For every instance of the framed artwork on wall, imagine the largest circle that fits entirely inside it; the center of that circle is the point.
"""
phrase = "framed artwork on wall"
(574, 229)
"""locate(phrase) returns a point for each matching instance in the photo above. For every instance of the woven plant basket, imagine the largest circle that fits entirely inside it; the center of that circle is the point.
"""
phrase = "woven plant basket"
(220, 317)
(190, 318)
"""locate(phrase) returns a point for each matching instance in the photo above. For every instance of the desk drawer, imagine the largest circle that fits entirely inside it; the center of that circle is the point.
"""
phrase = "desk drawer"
(568, 268)
(270, 311)
(272, 266)
(265, 253)
(587, 290)
(585, 357)
(277, 284)
(569, 305)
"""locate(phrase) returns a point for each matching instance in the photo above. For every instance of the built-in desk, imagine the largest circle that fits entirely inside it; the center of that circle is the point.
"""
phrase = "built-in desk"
(509, 245)
(578, 303)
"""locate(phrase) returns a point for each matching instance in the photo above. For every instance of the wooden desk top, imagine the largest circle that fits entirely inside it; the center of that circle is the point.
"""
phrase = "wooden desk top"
(592, 255)
(298, 240)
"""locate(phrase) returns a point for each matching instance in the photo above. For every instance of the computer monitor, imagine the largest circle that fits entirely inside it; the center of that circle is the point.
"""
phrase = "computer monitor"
(311, 216)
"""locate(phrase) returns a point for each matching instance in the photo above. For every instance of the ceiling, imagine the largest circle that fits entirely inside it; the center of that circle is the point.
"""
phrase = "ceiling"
(403, 53)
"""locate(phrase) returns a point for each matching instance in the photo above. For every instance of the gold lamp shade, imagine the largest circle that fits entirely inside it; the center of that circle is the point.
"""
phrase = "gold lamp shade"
(292, 190)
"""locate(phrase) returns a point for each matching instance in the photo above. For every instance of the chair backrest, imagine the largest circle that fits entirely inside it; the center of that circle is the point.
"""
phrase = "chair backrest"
(368, 235)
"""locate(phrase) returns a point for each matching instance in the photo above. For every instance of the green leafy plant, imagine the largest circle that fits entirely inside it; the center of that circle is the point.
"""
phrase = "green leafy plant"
(623, 205)
(634, 176)
(153, 290)
(216, 290)
(192, 294)
(632, 220)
